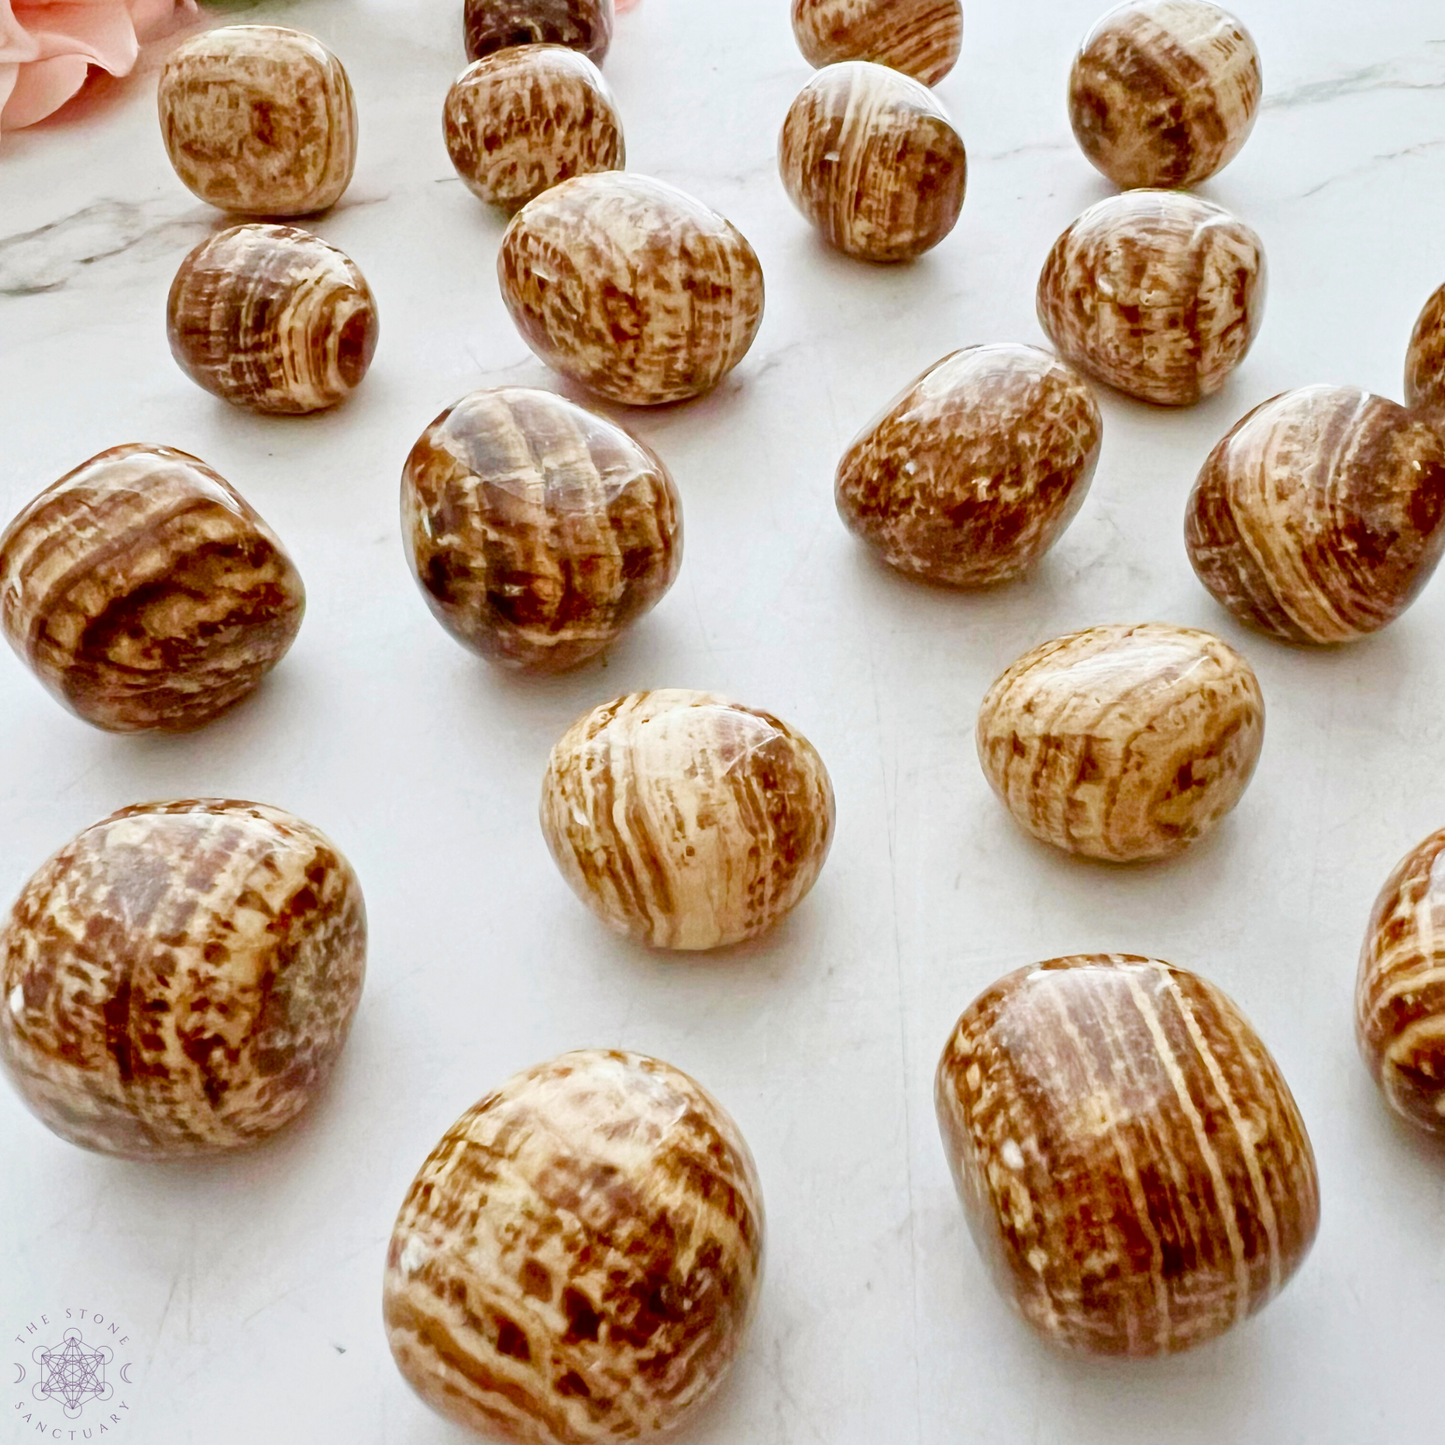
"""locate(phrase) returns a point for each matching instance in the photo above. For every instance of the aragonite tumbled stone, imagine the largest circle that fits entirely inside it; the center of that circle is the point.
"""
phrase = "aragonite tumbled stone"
(871, 158)
(273, 319)
(1425, 360)
(1130, 1160)
(1156, 293)
(522, 119)
(631, 287)
(259, 119)
(180, 978)
(578, 1260)
(1321, 516)
(972, 473)
(727, 818)
(1164, 92)
(145, 593)
(1123, 743)
(537, 530)
(922, 38)
(1400, 995)
(492, 25)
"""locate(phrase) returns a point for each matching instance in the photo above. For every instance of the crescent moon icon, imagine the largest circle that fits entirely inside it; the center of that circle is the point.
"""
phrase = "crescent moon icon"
(123, 1374)
(20, 1378)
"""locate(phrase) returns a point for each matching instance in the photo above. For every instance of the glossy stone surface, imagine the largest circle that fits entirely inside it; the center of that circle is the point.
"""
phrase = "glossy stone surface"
(492, 25)
(1156, 293)
(522, 119)
(1123, 743)
(180, 978)
(871, 158)
(537, 530)
(578, 1260)
(631, 287)
(922, 38)
(686, 821)
(1425, 360)
(272, 318)
(972, 473)
(145, 593)
(1400, 993)
(1164, 92)
(1319, 517)
(259, 119)
(1130, 1159)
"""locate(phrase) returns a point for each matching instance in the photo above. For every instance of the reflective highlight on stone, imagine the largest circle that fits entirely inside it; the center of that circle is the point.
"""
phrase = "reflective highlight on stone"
(578, 1260)
(922, 38)
(492, 25)
(1130, 1160)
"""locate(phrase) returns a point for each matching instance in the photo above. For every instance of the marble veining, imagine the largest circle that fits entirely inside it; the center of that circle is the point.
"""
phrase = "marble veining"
(922, 38)
(180, 978)
(579, 1258)
(492, 25)
(1130, 1160)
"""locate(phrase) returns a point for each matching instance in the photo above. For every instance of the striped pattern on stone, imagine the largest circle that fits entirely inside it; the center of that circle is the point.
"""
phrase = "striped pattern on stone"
(145, 593)
(871, 158)
(522, 119)
(537, 530)
(272, 318)
(684, 820)
(259, 119)
(1400, 994)
(180, 978)
(1164, 92)
(579, 1258)
(631, 287)
(1319, 517)
(972, 473)
(1156, 293)
(492, 25)
(1130, 1160)
(1123, 743)
(1425, 360)
(922, 38)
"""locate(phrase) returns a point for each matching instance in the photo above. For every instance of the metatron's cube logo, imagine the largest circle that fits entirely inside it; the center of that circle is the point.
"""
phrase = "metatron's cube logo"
(74, 1384)
(72, 1374)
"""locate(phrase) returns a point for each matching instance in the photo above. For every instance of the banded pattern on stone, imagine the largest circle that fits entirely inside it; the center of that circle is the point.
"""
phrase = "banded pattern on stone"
(871, 158)
(492, 25)
(1400, 994)
(259, 119)
(272, 318)
(144, 592)
(684, 820)
(1319, 517)
(1123, 743)
(1425, 360)
(922, 38)
(973, 472)
(522, 119)
(631, 287)
(1130, 1160)
(1164, 92)
(1156, 293)
(537, 530)
(180, 978)
(579, 1258)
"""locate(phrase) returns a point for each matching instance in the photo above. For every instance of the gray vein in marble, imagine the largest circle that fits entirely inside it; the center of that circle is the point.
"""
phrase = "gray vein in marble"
(1388, 75)
(1370, 165)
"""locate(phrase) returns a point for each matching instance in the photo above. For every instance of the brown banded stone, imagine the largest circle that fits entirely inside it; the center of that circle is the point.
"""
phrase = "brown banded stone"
(145, 593)
(1123, 743)
(1164, 92)
(522, 119)
(1319, 517)
(259, 119)
(1425, 361)
(273, 319)
(1400, 994)
(686, 821)
(972, 473)
(492, 25)
(870, 157)
(922, 38)
(537, 530)
(1156, 293)
(579, 1258)
(180, 978)
(631, 287)
(1131, 1163)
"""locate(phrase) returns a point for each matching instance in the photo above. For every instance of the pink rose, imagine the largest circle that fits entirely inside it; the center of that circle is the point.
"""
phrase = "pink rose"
(48, 46)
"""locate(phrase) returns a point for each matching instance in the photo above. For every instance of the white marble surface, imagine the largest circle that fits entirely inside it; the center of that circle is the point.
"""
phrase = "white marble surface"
(252, 1287)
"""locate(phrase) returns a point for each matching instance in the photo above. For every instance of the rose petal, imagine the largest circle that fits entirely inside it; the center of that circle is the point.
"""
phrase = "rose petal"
(16, 42)
(41, 87)
(101, 33)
